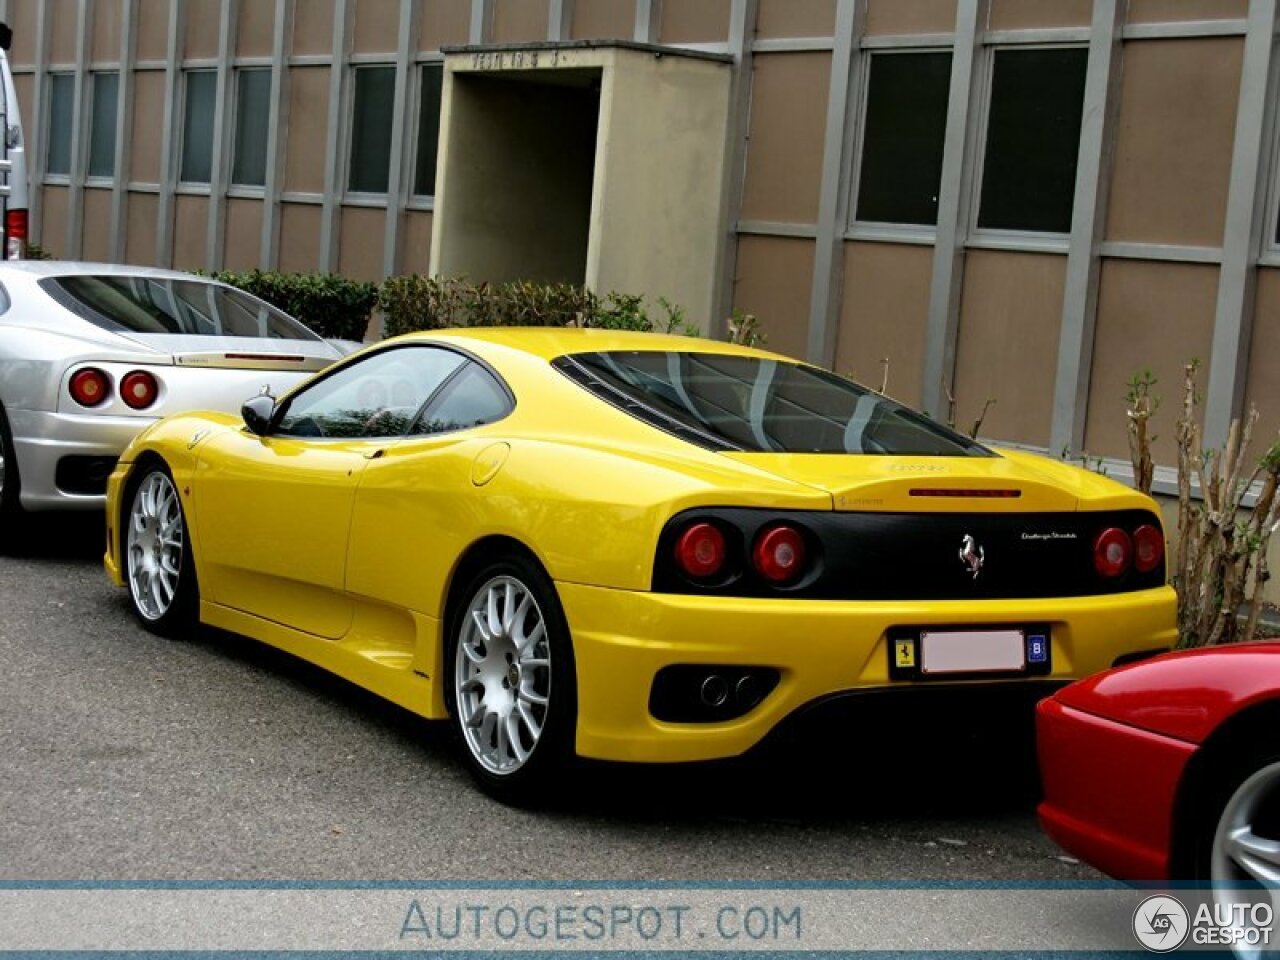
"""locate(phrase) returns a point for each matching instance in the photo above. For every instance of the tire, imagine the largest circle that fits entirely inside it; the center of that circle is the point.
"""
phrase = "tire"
(158, 566)
(11, 515)
(510, 682)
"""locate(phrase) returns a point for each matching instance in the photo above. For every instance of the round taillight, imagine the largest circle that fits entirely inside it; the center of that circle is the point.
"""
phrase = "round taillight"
(700, 551)
(139, 389)
(779, 554)
(1148, 548)
(89, 387)
(1112, 552)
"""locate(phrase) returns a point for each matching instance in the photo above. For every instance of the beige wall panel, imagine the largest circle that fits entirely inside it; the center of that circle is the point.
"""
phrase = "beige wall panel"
(883, 315)
(1174, 141)
(53, 232)
(1148, 11)
(1150, 315)
(190, 228)
(444, 23)
(773, 282)
(140, 233)
(1029, 14)
(1263, 383)
(313, 26)
(203, 17)
(255, 28)
(106, 31)
(299, 237)
(360, 250)
(148, 126)
(910, 16)
(788, 121)
(24, 15)
(95, 236)
(612, 19)
(796, 18)
(153, 29)
(308, 121)
(1010, 315)
(25, 84)
(694, 21)
(377, 26)
(244, 234)
(62, 21)
(517, 21)
(415, 256)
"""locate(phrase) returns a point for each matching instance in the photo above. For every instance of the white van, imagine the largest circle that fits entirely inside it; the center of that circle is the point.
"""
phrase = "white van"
(14, 186)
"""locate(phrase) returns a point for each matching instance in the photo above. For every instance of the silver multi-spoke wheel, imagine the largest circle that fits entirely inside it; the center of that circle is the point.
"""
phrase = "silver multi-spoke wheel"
(1246, 845)
(155, 546)
(502, 675)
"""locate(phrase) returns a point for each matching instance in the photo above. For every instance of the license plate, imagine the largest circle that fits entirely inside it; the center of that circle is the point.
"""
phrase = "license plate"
(972, 651)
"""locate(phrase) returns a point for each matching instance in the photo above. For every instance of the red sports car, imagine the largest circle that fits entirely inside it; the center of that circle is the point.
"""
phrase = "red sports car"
(1169, 769)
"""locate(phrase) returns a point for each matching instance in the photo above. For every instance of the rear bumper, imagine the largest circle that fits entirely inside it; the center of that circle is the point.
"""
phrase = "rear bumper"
(1109, 791)
(42, 440)
(819, 648)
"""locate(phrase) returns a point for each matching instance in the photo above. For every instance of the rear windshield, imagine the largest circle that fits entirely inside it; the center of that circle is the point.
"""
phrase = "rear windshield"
(727, 402)
(192, 307)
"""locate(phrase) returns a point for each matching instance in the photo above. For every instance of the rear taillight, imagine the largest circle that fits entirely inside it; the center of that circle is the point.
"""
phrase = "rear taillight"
(15, 228)
(700, 551)
(1148, 548)
(1112, 552)
(139, 389)
(89, 387)
(779, 554)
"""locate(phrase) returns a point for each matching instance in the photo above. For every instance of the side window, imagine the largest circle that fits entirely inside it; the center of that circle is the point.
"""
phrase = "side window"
(377, 396)
(470, 399)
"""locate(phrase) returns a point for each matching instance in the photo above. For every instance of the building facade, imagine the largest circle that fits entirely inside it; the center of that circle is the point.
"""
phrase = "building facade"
(1018, 200)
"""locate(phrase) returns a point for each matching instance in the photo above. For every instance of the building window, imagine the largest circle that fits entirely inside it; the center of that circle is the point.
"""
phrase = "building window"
(253, 117)
(1033, 139)
(429, 97)
(62, 96)
(102, 125)
(372, 118)
(904, 131)
(197, 126)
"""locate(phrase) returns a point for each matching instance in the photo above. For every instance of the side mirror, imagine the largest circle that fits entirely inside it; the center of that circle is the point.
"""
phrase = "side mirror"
(258, 413)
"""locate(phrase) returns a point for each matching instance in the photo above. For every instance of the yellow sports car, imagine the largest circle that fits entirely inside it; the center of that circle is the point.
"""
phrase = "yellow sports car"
(627, 546)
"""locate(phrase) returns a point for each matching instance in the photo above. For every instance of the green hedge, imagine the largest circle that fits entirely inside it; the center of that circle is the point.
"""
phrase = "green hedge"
(331, 305)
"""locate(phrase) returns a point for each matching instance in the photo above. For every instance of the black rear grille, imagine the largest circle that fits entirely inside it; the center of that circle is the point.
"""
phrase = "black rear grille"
(917, 556)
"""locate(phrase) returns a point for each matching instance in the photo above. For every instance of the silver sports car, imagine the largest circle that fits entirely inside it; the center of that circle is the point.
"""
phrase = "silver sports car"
(91, 353)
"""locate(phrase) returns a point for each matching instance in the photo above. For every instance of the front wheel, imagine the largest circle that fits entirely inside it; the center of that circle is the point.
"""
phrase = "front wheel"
(512, 692)
(157, 556)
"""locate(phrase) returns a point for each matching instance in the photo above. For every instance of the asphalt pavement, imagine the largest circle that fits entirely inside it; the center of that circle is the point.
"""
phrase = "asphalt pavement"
(124, 756)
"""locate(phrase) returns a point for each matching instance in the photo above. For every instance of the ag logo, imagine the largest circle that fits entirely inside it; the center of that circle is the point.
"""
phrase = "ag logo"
(1161, 924)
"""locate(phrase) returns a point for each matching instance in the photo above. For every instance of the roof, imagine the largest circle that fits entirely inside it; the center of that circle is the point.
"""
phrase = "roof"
(551, 342)
(61, 268)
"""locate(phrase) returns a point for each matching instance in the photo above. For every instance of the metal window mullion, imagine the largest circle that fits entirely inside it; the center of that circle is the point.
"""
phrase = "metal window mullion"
(121, 165)
(1088, 222)
(220, 172)
(833, 204)
(170, 145)
(80, 117)
(955, 198)
(1246, 217)
(481, 21)
(37, 146)
(742, 22)
(337, 137)
(648, 21)
(401, 172)
(277, 135)
(559, 20)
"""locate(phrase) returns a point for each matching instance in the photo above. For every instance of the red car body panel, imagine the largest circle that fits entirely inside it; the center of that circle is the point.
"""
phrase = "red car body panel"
(1114, 749)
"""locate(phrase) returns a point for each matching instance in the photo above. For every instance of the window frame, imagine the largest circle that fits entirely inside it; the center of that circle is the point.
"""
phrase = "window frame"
(363, 197)
(51, 177)
(1004, 238)
(247, 190)
(423, 201)
(92, 179)
(1269, 251)
(200, 187)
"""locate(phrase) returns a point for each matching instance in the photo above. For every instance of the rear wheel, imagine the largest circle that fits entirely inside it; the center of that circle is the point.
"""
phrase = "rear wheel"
(157, 556)
(10, 485)
(512, 692)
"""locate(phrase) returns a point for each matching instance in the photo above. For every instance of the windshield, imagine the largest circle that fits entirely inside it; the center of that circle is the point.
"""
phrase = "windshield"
(755, 404)
(190, 307)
